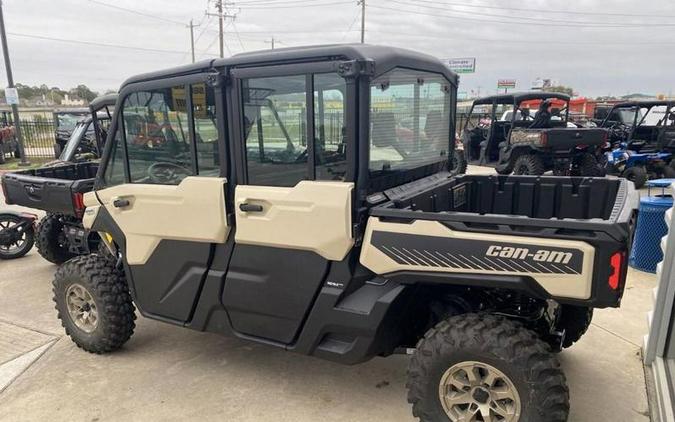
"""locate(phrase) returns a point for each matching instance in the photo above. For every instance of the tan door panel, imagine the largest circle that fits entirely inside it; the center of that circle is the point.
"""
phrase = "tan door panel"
(314, 216)
(194, 211)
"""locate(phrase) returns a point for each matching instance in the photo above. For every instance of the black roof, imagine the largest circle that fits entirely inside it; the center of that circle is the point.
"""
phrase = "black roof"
(102, 101)
(385, 58)
(518, 97)
(645, 103)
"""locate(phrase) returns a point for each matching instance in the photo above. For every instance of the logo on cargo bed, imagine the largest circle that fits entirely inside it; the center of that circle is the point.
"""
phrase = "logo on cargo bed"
(541, 255)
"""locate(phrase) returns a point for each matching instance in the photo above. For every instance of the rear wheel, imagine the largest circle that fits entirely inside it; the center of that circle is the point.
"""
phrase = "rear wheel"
(575, 320)
(51, 242)
(21, 244)
(668, 172)
(529, 164)
(459, 163)
(589, 166)
(93, 303)
(637, 175)
(477, 367)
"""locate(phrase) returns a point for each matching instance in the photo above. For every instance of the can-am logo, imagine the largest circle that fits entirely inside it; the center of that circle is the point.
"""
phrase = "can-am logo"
(541, 255)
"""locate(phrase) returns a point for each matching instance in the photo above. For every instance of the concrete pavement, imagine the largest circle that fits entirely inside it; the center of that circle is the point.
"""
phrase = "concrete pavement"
(168, 373)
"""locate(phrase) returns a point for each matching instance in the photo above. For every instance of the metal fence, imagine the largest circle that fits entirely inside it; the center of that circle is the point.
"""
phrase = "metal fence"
(38, 137)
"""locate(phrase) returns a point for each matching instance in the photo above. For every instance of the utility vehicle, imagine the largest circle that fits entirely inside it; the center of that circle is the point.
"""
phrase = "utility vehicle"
(529, 133)
(302, 198)
(65, 121)
(58, 188)
(642, 136)
(8, 143)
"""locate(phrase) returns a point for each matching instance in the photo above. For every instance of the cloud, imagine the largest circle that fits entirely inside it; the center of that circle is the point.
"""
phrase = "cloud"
(623, 51)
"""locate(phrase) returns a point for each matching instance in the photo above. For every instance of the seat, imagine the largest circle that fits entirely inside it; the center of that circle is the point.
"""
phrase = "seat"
(383, 133)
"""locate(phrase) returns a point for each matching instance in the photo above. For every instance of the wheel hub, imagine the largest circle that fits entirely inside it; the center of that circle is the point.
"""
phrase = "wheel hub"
(81, 308)
(478, 392)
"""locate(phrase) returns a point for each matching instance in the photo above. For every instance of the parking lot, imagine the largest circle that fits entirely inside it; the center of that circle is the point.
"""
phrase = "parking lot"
(168, 373)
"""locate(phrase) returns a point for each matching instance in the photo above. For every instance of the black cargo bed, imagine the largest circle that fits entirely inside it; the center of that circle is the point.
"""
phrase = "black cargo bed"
(51, 189)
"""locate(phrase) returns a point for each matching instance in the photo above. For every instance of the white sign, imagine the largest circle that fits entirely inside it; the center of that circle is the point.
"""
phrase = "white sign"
(462, 65)
(11, 96)
(544, 83)
(506, 83)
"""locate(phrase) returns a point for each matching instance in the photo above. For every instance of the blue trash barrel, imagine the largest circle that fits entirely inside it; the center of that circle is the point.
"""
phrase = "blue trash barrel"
(651, 227)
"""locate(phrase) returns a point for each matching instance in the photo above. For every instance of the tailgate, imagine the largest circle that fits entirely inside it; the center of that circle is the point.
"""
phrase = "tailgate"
(51, 195)
(567, 138)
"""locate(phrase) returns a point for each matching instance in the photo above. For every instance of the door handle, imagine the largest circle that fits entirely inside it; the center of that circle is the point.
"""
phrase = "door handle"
(250, 207)
(121, 203)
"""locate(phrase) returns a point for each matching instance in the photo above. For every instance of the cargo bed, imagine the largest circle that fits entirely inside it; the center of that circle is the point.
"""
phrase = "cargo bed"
(52, 189)
(594, 217)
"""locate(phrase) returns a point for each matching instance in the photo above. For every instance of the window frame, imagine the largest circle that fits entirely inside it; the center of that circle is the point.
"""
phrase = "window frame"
(309, 70)
(211, 79)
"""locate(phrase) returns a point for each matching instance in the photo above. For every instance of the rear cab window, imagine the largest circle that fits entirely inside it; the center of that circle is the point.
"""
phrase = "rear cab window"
(409, 121)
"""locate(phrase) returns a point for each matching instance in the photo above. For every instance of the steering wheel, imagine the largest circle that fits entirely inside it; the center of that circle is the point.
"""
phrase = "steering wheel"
(165, 172)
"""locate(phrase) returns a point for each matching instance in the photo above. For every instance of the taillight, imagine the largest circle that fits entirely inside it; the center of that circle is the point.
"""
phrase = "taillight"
(616, 262)
(543, 139)
(78, 204)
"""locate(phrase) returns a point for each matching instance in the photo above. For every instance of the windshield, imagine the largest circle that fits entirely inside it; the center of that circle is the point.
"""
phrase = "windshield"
(409, 120)
(67, 121)
(74, 141)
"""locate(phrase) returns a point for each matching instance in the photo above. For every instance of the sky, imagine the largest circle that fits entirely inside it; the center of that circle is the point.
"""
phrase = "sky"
(608, 47)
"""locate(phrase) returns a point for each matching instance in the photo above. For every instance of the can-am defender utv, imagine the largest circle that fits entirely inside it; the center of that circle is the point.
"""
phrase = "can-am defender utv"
(302, 198)
(58, 187)
(529, 134)
(642, 140)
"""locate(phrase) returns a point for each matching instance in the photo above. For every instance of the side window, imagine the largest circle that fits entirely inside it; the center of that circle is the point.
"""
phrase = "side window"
(206, 130)
(114, 172)
(274, 129)
(157, 136)
(330, 159)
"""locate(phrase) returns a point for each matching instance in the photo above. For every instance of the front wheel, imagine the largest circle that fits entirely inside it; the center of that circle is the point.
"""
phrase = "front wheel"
(17, 243)
(479, 367)
(93, 303)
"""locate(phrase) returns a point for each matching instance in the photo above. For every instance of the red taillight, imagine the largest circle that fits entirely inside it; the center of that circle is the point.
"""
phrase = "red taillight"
(616, 262)
(543, 139)
(78, 204)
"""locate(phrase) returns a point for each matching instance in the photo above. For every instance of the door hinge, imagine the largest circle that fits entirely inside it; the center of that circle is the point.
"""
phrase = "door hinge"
(355, 68)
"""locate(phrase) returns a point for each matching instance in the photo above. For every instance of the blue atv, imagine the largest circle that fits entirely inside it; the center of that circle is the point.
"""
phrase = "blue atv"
(638, 167)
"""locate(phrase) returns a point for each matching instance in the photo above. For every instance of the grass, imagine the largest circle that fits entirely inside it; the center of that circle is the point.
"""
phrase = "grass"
(12, 164)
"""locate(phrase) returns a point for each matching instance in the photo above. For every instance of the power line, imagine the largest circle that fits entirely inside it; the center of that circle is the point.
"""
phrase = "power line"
(238, 37)
(137, 12)
(98, 44)
(293, 6)
(351, 25)
(535, 23)
(561, 12)
(532, 19)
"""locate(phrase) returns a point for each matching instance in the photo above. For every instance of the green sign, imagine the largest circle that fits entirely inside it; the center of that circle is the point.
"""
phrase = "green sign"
(462, 65)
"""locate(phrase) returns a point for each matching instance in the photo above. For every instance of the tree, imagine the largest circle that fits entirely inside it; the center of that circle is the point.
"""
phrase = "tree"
(562, 89)
(83, 91)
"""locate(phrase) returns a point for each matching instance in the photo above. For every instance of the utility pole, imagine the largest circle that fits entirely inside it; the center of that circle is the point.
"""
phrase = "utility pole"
(10, 84)
(192, 40)
(270, 42)
(363, 20)
(222, 15)
(219, 7)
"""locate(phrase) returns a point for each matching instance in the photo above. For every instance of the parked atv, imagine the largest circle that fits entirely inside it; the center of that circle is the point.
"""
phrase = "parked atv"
(512, 138)
(638, 167)
(59, 186)
(17, 234)
(645, 130)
